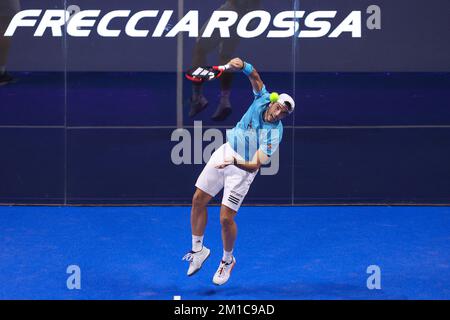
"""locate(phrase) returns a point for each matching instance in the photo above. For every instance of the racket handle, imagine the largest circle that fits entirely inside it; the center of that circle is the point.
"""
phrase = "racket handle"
(225, 67)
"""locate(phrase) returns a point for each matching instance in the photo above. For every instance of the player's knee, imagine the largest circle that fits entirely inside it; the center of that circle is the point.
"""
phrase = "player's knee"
(226, 220)
(199, 200)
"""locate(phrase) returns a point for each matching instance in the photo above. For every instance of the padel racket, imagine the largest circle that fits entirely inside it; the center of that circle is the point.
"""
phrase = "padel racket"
(202, 74)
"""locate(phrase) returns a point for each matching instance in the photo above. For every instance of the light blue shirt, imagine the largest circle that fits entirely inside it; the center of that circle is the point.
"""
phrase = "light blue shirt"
(252, 132)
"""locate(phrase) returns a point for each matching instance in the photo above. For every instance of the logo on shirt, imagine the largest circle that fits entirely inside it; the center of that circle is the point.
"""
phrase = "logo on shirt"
(269, 146)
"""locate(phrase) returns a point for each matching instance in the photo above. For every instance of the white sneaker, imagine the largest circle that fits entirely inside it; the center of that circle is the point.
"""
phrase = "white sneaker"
(196, 259)
(223, 272)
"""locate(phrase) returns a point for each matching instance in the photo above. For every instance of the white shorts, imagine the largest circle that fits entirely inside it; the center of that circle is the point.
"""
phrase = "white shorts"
(235, 182)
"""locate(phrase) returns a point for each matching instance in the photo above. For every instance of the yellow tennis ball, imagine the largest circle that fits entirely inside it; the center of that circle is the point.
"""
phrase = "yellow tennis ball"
(273, 97)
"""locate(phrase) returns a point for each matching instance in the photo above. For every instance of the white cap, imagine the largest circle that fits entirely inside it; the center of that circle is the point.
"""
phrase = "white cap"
(287, 101)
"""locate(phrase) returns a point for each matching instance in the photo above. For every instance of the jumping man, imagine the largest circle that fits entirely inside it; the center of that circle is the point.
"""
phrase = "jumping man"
(233, 167)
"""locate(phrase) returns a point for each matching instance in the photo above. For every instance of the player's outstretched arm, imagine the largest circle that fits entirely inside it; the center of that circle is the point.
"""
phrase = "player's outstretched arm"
(249, 70)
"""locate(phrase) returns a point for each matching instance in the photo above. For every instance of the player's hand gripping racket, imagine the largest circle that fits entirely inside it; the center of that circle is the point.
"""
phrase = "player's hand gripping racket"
(202, 74)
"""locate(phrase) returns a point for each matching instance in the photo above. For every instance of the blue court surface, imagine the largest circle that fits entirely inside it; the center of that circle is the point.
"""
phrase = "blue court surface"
(282, 253)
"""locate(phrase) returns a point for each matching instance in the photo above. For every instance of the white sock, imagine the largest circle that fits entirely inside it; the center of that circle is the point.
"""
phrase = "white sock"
(227, 256)
(197, 243)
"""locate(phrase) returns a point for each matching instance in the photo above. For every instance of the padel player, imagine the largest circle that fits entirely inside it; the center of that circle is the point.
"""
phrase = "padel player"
(233, 167)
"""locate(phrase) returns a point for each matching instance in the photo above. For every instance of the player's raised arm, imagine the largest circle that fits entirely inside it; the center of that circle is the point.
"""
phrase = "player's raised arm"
(249, 70)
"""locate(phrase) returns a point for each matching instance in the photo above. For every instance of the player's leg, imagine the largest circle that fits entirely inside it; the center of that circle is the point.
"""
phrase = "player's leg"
(227, 78)
(203, 46)
(208, 184)
(229, 231)
(198, 101)
(199, 217)
(226, 52)
(237, 182)
(229, 235)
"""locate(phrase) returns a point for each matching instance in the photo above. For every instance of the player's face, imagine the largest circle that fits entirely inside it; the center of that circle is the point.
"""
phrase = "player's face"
(276, 112)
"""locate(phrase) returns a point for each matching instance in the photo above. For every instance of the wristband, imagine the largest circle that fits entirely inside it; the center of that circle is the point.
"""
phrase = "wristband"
(248, 69)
